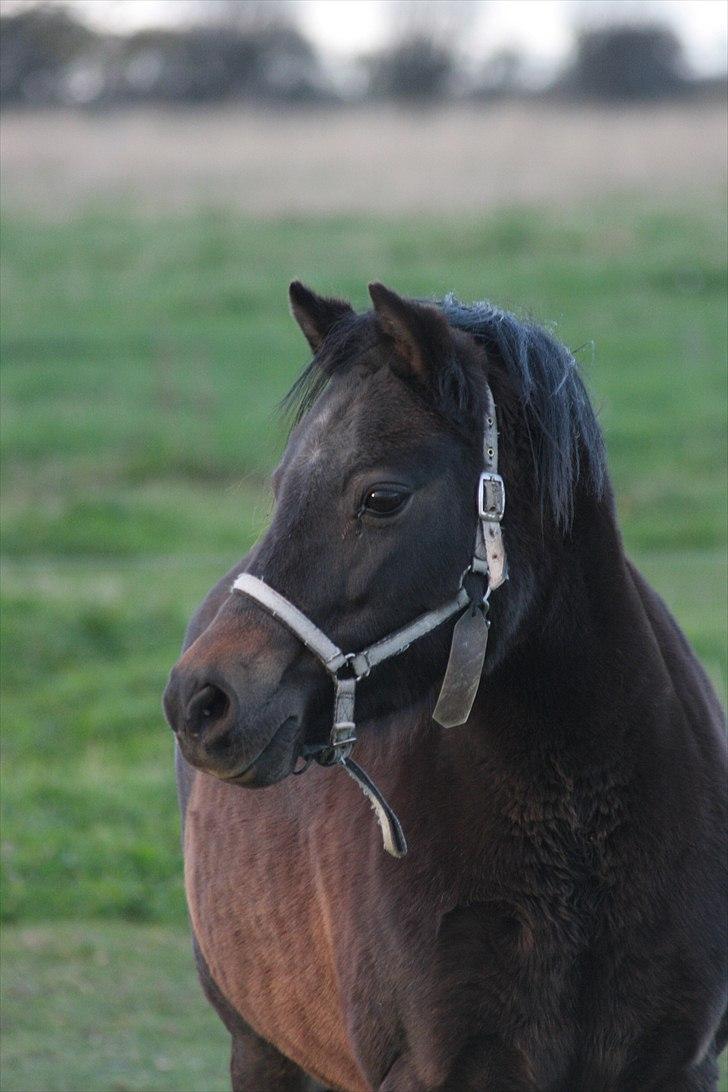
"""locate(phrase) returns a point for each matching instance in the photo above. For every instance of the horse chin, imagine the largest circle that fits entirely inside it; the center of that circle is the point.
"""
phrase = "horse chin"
(272, 764)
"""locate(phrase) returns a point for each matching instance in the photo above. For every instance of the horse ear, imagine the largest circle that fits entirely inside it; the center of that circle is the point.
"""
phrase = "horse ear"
(315, 314)
(421, 335)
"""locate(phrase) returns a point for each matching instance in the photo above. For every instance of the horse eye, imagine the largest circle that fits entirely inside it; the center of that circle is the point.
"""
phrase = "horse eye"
(384, 501)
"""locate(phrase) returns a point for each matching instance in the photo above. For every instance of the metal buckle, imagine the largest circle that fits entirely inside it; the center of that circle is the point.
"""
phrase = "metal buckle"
(478, 574)
(346, 669)
(332, 753)
(491, 496)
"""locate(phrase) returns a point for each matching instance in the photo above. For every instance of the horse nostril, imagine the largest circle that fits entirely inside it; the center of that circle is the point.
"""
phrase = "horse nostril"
(215, 704)
(208, 707)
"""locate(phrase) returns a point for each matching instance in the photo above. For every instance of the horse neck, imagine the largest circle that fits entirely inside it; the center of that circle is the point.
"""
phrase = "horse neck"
(579, 675)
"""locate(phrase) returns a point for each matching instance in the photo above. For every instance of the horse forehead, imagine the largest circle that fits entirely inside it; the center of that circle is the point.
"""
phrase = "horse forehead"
(317, 440)
(331, 426)
(362, 417)
(325, 419)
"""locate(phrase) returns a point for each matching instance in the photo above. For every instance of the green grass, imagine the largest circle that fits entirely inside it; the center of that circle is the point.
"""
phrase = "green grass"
(142, 363)
(115, 1008)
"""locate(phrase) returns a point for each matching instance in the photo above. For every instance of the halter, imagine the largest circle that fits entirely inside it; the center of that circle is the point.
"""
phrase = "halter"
(486, 571)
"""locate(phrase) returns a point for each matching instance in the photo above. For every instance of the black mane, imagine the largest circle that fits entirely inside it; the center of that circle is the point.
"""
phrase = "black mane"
(565, 437)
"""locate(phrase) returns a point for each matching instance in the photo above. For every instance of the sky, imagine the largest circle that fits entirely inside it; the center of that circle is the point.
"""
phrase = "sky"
(542, 29)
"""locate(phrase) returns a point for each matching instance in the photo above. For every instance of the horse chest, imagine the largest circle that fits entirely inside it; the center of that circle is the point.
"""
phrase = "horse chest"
(264, 919)
(287, 914)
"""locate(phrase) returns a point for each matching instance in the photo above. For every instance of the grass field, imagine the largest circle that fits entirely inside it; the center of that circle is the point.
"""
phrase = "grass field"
(106, 1008)
(143, 360)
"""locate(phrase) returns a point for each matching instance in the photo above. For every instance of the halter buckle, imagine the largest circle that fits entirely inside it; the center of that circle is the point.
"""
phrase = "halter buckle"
(332, 753)
(347, 670)
(476, 584)
(491, 496)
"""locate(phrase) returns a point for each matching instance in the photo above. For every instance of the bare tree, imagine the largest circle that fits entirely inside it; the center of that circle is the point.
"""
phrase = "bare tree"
(422, 58)
(38, 44)
(628, 61)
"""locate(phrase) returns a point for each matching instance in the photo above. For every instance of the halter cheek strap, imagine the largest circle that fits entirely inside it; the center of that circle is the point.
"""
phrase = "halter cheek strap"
(490, 556)
(467, 653)
(488, 568)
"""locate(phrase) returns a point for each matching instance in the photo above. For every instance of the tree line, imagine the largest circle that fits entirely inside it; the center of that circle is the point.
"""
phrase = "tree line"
(255, 52)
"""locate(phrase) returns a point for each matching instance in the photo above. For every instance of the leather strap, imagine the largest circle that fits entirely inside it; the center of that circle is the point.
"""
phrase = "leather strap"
(402, 638)
(393, 837)
(489, 556)
(307, 632)
(329, 654)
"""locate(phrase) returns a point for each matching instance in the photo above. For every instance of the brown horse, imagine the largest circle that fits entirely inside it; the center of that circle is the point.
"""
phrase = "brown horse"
(559, 922)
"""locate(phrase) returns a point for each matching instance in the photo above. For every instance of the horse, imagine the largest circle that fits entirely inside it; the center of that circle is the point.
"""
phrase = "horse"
(551, 914)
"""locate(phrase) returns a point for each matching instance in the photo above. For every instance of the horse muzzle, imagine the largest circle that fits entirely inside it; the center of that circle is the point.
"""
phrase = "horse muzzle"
(215, 736)
(234, 716)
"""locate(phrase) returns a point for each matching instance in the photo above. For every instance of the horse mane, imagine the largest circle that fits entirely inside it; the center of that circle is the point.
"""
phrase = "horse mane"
(565, 437)
(564, 434)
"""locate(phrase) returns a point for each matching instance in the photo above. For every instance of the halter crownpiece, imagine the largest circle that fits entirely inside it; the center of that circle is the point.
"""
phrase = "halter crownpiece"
(486, 572)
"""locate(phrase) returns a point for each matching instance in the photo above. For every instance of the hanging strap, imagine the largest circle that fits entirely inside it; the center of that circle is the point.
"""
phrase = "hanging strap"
(393, 837)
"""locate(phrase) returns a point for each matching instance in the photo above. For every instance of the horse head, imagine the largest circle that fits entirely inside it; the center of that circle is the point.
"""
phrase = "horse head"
(375, 519)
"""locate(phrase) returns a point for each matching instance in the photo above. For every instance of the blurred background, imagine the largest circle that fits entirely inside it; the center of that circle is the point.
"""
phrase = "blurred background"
(168, 166)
